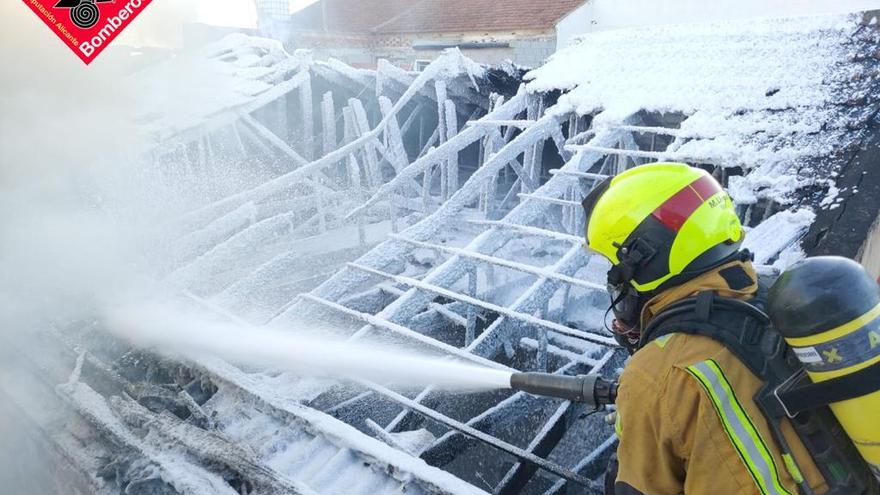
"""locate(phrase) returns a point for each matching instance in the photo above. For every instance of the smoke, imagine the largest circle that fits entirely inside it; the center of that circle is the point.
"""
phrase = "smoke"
(160, 24)
(67, 148)
(78, 204)
(66, 142)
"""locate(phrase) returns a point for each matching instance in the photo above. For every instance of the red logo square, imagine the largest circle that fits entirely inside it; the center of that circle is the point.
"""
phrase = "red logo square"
(87, 26)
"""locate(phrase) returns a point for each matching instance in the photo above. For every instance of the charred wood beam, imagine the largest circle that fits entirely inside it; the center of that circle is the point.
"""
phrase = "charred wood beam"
(231, 115)
(308, 119)
(533, 154)
(440, 86)
(376, 454)
(406, 333)
(275, 185)
(186, 478)
(209, 446)
(272, 138)
(502, 262)
(451, 444)
(451, 122)
(516, 315)
(553, 201)
(652, 155)
(416, 112)
(516, 479)
(472, 432)
(254, 138)
(429, 144)
(461, 141)
(486, 242)
(490, 145)
(580, 175)
(393, 137)
(529, 183)
(328, 120)
(373, 172)
(511, 193)
(354, 171)
(519, 124)
(587, 463)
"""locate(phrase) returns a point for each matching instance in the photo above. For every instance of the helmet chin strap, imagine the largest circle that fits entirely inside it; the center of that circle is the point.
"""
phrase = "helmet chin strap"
(605, 319)
(626, 335)
(625, 328)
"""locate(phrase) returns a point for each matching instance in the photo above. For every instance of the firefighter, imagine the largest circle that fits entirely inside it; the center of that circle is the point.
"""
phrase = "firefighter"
(685, 415)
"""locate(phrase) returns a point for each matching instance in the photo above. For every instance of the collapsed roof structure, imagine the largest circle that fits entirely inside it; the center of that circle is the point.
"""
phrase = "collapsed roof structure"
(461, 206)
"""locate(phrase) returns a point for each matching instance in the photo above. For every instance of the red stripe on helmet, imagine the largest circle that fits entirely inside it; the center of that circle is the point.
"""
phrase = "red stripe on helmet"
(677, 209)
(706, 187)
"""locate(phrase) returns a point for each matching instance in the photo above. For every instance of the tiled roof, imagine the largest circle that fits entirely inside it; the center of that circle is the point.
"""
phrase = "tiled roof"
(438, 16)
(349, 16)
(432, 16)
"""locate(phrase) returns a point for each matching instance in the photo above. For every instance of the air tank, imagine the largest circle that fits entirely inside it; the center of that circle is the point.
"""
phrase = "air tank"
(828, 310)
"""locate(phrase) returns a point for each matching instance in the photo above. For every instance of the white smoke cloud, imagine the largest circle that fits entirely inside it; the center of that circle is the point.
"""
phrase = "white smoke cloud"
(66, 139)
(162, 23)
(63, 125)
(77, 203)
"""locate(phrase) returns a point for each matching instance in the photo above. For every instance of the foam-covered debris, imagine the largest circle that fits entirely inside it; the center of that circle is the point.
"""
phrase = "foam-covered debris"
(185, 91)
(766, 95)
(776, 234)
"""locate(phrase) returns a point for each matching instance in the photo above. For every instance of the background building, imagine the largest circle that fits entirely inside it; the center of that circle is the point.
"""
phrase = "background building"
(411, 34)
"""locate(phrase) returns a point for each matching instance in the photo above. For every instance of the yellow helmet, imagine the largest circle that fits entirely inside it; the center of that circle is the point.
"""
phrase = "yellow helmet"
(661, 223)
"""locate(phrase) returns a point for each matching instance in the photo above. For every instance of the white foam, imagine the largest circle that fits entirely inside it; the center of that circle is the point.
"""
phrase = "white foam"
(169, 331)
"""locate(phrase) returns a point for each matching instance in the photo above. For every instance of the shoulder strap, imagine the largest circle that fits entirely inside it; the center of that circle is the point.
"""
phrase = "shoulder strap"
(740, 326)
(812, 395)
(743, 328)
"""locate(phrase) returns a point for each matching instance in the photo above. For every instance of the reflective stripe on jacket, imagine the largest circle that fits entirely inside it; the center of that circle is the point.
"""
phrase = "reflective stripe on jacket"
(687, 422)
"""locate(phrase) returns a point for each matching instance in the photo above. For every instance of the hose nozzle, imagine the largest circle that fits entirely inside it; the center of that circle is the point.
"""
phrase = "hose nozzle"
(592, 390)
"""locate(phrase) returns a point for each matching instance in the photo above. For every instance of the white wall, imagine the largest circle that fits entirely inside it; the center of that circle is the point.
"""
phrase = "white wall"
(600, 15)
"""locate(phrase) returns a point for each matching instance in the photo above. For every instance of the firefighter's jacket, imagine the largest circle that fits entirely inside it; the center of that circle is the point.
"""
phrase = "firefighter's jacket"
(686, 419)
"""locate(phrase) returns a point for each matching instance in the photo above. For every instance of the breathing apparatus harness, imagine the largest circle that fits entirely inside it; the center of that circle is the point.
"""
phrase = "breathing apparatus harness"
(746, 331)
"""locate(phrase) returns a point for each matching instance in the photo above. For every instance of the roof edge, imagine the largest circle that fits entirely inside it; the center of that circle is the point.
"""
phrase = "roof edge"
(572, 11)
